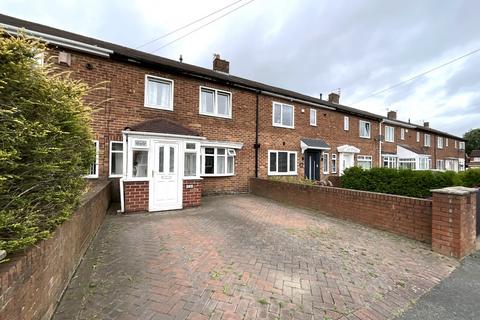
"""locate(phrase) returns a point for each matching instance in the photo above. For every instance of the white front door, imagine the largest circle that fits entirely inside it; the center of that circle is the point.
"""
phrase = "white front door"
(346, 161)
(166, 184)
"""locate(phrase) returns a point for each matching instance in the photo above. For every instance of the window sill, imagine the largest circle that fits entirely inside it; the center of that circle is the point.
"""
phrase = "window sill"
(139, 179)
(215, 115)
(192, 178)
(365, 137)
(285, 127)
(91, 177)
(115, 176)
(282, 173)
(159, 107)
(217, 175)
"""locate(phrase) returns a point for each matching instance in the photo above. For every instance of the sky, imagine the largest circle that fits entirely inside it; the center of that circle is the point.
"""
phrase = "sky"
(360, 47)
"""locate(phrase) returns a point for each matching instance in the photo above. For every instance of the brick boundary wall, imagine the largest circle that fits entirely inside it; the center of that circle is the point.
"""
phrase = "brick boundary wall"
(33, 282)
(409, 217)
(136, 196)
(192, 193)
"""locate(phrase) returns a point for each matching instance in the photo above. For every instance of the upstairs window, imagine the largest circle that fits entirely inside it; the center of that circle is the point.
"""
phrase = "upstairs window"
(365, 129)
(461, 145)
(116, 158)
(313, 117)
(402, 134)
(282, 115)
(389, 134)
(215, 102)
(446, 142)
(158, 93)
(282, 162)
(456, 144)
(218, 161)
(440, 142)
(346, 123)
(93, 172)
(426, 140)
(418, 136)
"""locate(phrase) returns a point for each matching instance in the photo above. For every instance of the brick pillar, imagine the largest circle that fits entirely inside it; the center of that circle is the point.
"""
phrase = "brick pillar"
(454, 221)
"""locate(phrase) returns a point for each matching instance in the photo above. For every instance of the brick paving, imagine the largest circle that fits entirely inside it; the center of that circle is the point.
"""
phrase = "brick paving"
(245, 257)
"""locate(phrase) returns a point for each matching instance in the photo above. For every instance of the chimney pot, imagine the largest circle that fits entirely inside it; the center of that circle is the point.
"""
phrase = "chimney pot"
(392, 115)
(220, 64)
(426, 124)
(334, 98)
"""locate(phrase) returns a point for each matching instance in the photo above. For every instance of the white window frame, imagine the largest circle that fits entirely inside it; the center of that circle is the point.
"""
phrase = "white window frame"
(456, 144)
(412, 161)
(197, 153)
(326, 163)
(362, 123)
(313, 117)
(334, 161)
(281, 125)
(425, 136)
(446, 142)
(392, 162)
(440, 163)
(461, 145)
(426, 161)
(439, 142)
(288, 173)
(145, 94)
(228, 153)
(111, 151)
(365, 158)
(97, 158)
(215, 103)
(402, 134)
(346, 123)
(418, 136)
(390, 137)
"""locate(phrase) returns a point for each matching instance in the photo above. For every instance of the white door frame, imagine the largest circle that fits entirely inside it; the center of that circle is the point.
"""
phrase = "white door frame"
(341, 157)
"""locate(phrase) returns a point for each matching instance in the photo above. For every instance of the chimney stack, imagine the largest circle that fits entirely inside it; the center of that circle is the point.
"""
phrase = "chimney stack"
(220, 65)
(426, 124)
(334, 98)
(392, 115)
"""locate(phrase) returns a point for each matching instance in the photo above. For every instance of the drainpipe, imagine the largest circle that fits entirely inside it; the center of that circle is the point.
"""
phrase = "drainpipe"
(257, 144)
(380, 144)
(125, 166)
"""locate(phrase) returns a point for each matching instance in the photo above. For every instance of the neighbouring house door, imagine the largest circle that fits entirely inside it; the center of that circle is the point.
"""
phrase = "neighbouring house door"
(312, 165)
(346, 161)
(166, 184)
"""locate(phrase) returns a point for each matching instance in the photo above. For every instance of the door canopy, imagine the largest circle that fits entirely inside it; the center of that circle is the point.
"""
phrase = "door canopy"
(348, 149)
(315, 144)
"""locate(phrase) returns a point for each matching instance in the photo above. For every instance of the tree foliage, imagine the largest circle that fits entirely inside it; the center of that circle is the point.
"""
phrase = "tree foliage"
(473, 140)
(45, 144)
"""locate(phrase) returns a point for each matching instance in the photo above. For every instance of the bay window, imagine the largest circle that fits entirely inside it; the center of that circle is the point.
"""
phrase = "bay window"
(407, 163)
(218, 161)
(282, 162)
(390, 162)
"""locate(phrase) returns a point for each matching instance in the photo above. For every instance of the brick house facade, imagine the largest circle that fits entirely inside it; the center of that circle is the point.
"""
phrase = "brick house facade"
(220, 128)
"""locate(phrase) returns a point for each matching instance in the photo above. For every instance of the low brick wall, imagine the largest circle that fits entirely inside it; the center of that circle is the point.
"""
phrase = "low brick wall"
(409, 217)
(33, 282)
(136, 196)
(192, 193)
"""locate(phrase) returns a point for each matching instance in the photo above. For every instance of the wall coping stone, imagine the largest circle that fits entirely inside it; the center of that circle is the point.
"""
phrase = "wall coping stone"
(455, 190)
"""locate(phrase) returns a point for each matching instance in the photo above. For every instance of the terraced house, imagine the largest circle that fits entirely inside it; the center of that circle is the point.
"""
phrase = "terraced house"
(167, 132)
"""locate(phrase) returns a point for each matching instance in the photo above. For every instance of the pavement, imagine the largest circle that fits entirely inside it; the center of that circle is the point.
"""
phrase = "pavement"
(246, 257)
(455, 298)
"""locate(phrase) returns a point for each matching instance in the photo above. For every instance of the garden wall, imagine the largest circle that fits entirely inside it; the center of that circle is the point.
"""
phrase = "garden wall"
(32, 282)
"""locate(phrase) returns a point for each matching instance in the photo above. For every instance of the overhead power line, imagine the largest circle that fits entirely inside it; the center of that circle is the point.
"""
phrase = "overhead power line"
(376, 93)
(202, 26)
(187, 25)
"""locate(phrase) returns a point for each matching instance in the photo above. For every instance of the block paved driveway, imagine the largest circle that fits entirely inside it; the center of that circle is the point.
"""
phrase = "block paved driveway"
(245, 257)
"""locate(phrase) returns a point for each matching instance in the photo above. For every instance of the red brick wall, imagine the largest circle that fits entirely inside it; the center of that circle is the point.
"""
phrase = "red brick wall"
(192, 193)
(33, 282)
(406, 216)
(454, 223)
(136, 195)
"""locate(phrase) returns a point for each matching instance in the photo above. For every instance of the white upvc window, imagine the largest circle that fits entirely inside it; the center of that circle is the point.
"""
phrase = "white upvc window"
(407, 163)
(364, 162)
(402, 134)
(93, 172)
(461, 164)
(116, 159)
(426, 140)
(191, 160)
(424, 163)
(418, 136)
(334, 163)
(346, 123)
(158, 93)
(216, 103)
(390, 162)
(365, 129)
(282, 162)
(313, 117)
(446, 142)
(440, 165)
(456, 144)
(326, 168)
(440, 142)
(218, 162)
(461, 145)
(389, 134)
(283, 115)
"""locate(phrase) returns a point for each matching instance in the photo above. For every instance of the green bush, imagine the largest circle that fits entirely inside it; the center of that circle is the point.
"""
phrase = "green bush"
(470, 178)
(45, 144)
(401, 182)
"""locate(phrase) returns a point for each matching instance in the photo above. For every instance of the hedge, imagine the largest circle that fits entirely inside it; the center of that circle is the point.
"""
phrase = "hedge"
(406, 182)
(45, 144)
